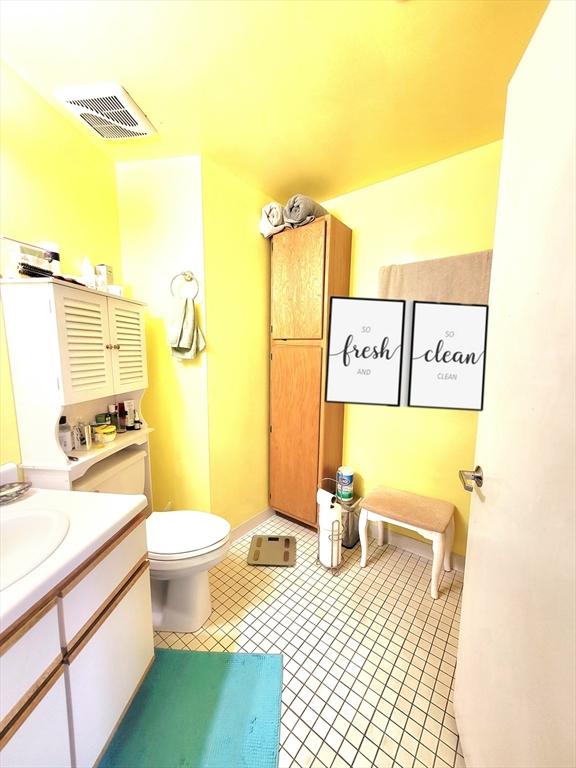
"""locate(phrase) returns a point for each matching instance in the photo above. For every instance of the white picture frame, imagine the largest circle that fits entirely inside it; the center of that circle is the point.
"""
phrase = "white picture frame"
(365, 351)
(448, 355)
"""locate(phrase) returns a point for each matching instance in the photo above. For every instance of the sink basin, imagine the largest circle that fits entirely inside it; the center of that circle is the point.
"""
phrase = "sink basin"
(27, 538)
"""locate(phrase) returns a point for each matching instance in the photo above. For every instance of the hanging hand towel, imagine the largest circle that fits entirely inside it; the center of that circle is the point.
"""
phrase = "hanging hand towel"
(301, 210)
(272, 220)
(184, 335)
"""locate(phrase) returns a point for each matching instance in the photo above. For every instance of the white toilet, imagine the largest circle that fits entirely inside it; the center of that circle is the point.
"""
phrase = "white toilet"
(182, 545)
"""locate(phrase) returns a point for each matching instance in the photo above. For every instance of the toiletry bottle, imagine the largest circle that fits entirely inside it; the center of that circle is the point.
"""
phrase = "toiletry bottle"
(87, 436)
(77, 436)
(55, 262)
(88, 276)
(137, 421)
(65, 435)
(129, 407)
(52, 251)
(121, 418)
(113, 411)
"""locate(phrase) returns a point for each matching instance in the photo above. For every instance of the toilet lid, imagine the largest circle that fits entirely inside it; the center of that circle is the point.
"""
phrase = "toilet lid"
(181, 534)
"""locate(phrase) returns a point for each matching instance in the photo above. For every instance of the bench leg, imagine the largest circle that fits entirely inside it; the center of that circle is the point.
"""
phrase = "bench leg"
(438, 550)
(363, 533)
(448, 541)
(382, 534)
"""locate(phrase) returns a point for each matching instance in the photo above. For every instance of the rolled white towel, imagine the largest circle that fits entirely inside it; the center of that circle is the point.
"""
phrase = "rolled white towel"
(301, 210)
(272, 220)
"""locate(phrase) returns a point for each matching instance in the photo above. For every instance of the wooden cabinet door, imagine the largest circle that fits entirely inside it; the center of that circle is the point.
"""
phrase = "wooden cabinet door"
(129, 345)
(297, 277)
(295, 377)
(82, 319)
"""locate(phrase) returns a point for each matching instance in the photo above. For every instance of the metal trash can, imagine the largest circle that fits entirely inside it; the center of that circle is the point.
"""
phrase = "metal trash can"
(350, 516)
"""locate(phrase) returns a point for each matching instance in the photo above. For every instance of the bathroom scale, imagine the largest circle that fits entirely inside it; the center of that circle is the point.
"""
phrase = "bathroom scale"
(272, 550)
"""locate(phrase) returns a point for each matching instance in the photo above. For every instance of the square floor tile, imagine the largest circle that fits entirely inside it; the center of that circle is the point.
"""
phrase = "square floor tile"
(369, 658)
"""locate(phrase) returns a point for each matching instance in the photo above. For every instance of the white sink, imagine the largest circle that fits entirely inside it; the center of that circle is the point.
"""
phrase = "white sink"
(27, 538)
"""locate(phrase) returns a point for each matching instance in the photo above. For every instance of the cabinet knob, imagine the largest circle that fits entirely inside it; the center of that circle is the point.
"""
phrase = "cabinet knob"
(108, 346)
(116, 346)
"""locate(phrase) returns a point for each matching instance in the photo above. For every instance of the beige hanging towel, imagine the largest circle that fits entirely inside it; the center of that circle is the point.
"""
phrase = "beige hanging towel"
(184, 334)
(463, 279)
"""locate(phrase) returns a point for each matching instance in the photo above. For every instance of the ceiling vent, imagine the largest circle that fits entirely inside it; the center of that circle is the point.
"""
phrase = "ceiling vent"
(107, 109)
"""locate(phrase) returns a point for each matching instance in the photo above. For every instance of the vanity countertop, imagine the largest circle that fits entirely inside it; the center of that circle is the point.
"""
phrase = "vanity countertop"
(94, 519)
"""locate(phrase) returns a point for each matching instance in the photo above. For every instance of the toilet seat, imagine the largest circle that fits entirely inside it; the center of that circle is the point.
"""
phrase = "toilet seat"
(184, 534)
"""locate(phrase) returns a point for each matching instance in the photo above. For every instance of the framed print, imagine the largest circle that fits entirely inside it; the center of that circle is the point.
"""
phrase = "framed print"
(365, 351)
(448, 356)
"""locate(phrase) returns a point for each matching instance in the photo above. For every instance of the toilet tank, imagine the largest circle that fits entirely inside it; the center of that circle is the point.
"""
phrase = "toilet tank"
(124, 472)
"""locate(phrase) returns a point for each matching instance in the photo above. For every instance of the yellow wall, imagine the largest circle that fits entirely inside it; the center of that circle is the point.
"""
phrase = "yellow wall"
(209, 450)
(55, 184)
(237, 289)
(160, 203)
(210, 447)
(440, 210)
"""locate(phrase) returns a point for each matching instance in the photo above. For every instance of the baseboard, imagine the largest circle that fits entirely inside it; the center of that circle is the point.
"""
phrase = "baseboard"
(417, 547)
(250, 524)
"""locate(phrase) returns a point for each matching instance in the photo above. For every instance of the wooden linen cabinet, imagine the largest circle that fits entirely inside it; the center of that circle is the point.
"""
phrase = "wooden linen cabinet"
(308, 266)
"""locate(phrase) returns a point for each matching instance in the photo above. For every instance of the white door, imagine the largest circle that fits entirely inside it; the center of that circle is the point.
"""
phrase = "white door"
(128, 341)
(515, 678)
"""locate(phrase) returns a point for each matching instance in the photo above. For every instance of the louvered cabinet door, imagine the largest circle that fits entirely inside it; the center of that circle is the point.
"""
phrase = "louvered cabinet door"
(85, 353)
(128, 345)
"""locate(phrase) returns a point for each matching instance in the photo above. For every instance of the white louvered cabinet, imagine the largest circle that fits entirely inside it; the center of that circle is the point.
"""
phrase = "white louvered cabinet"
(128, 345)
(72, 350)
(102, 344)
(85, 348)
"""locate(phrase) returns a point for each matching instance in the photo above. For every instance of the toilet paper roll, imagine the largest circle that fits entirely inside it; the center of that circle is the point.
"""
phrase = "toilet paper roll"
(329, 552)
(324, 497)
(328, 514)
(330, 535)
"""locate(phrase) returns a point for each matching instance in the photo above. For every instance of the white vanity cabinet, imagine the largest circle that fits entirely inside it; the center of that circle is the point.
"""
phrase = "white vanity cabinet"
(72, 351)
(34, 729)
(71, 343)
(42, 740)
(101, 344)
(84, 368)
(105, 670)
(107, 639)
(70, 666)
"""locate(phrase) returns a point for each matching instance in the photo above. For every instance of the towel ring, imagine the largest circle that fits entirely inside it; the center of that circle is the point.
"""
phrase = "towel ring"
(189, 278)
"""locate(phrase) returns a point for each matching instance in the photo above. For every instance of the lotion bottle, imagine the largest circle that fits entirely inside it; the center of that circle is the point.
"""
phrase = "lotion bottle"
(65, 435)
(88, 274)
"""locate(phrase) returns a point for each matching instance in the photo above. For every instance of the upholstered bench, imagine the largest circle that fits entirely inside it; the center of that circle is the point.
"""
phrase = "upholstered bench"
(431, 518)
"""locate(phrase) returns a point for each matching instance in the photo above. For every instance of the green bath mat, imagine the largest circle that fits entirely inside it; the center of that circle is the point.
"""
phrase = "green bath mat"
(202, 710)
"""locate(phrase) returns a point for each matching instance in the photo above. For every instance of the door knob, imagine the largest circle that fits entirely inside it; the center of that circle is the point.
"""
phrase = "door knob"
(476, 476)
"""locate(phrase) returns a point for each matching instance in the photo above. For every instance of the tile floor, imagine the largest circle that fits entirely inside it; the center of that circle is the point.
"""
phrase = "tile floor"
(369, 657)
